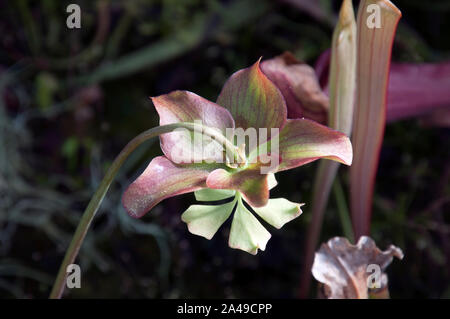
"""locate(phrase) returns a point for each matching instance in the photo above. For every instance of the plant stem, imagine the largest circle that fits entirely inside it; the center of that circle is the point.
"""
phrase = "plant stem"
(322, 187)
(97, 199)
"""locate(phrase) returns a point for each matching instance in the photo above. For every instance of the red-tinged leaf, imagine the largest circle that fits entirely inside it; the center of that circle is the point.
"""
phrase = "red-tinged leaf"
(344, 268)
(414, 90)
(253, 185)
(298, 83)
(253, 100)
(302, 141)
(417, 89)
(374, 56)
(187, 147)
(160, 180)
(205, 220)
(439, 118)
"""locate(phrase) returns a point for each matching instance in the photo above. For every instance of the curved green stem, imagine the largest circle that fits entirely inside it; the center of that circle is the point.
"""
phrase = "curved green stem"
(97, 199)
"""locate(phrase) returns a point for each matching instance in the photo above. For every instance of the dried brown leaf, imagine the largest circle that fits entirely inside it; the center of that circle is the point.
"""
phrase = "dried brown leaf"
(344, 269)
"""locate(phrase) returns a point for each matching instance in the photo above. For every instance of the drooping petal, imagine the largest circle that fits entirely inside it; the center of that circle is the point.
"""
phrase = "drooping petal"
(183, 146)
(160, 180)
(253, 185)
(299, 85)
(205, 220)
(417, 89)
(279, 211)
(374, 58)
(302, 141)
(209, 195)
(253, 100)
(246, 232)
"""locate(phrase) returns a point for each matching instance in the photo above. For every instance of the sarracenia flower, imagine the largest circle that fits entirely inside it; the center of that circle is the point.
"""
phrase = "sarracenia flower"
(250, 107)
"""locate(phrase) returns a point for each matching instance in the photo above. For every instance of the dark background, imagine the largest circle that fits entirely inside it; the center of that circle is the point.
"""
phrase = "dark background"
(71, 99)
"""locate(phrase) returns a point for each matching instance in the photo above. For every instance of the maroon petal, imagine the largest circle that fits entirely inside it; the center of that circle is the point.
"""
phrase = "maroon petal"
(160, 180)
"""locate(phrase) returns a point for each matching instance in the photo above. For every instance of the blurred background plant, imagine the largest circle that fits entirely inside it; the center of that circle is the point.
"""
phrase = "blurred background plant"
(71, 99)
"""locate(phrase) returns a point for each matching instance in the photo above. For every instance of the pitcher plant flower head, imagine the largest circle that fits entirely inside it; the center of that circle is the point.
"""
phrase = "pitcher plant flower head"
(248, 108)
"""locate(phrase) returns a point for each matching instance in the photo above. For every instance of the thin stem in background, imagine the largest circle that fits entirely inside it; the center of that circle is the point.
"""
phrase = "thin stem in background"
(97, 199)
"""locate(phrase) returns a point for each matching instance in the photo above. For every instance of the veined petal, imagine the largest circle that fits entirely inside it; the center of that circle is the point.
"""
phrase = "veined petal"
(279, 211)
(246, 232)
(302, 141)
(253, 100)
(161, 179)
(209, 195)
(183, 146)
(205, 220)
(253, 185)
